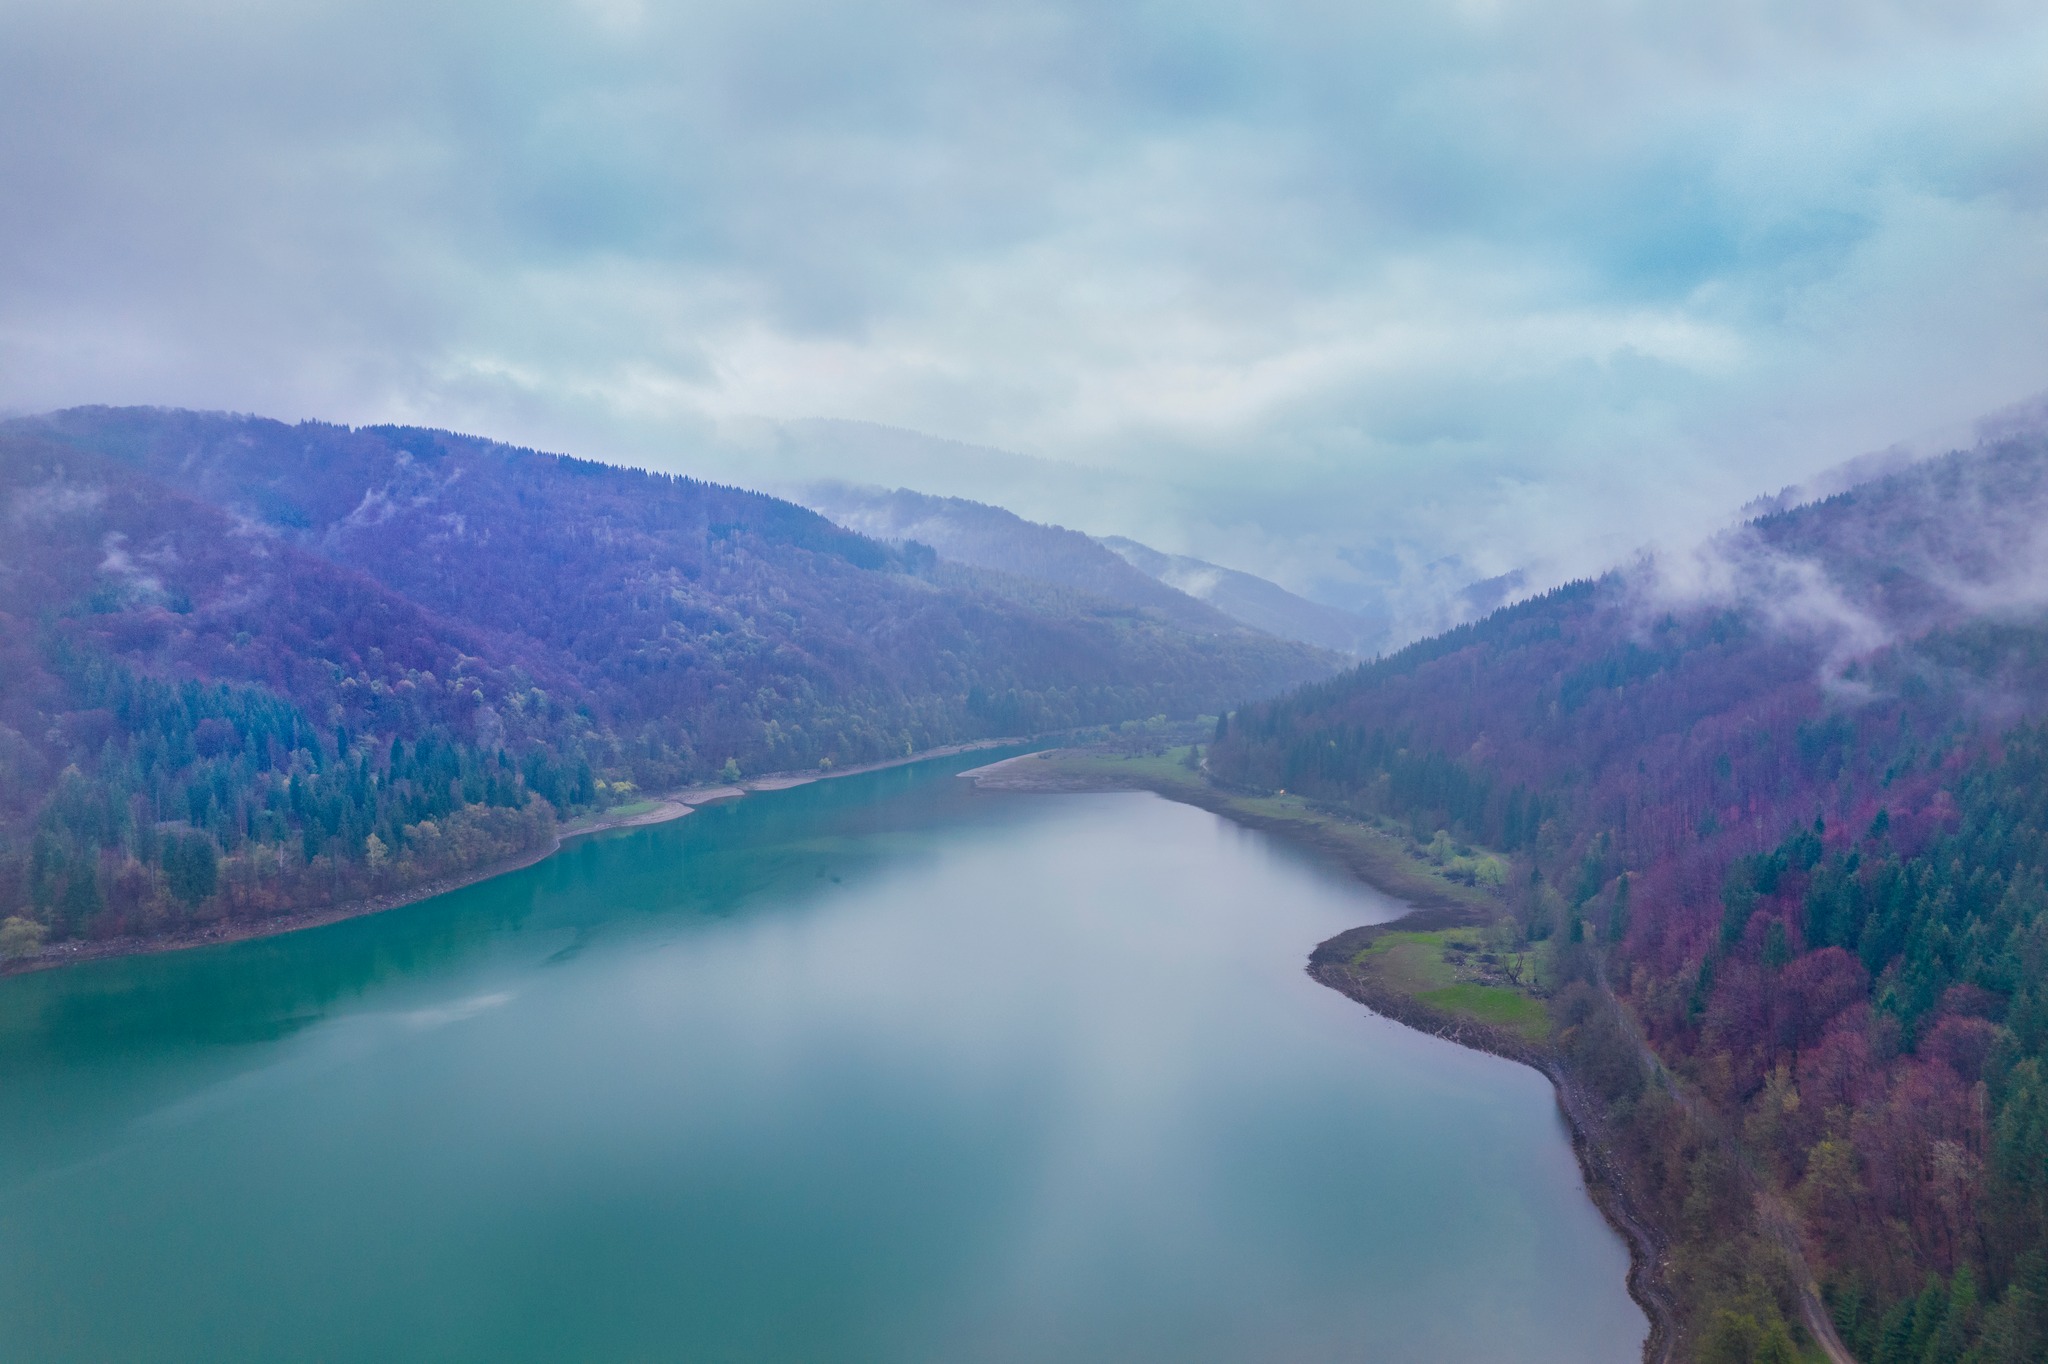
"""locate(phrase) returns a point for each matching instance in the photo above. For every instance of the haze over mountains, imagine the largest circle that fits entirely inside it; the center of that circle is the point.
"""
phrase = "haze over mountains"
(1399, 579)
(1520, 285)
(1401, 585)
(1253, 600)
(1184, 589)
(987, 537)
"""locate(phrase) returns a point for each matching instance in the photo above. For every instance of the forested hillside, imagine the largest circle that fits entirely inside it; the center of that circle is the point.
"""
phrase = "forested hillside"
(1786, 801)
(248, 667)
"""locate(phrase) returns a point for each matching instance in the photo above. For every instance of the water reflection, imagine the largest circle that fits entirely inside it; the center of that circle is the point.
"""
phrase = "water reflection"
(881, 1068)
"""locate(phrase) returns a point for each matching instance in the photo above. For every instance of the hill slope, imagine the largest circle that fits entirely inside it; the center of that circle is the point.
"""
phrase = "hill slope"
(1772, 793)
(246, 666)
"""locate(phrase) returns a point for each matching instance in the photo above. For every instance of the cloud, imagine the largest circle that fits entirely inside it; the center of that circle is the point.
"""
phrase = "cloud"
(1929, 546)
(1788, 592)
(1339, 293)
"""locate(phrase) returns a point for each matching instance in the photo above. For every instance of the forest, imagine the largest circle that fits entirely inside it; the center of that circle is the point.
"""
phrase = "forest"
(1786, 806)
(249, 668)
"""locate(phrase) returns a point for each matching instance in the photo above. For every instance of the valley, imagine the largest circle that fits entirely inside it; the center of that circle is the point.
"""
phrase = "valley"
(1737, 850)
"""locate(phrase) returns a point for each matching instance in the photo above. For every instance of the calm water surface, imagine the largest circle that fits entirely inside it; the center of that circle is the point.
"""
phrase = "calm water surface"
(878, 1069)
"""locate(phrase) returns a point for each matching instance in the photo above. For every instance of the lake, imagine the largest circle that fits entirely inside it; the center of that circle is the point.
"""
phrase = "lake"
(877, 1069)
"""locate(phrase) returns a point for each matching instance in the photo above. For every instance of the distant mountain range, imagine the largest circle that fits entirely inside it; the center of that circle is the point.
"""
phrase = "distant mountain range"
(1255, 601)
(985, 537)
(1191, 592)
(1402, 590)
(246, 667)
(787, 457)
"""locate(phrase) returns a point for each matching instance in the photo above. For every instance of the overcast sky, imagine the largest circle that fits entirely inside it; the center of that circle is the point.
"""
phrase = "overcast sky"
(1321, 287)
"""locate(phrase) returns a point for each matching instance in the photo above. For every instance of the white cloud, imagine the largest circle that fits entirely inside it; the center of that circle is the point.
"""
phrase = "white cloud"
(1333, 292)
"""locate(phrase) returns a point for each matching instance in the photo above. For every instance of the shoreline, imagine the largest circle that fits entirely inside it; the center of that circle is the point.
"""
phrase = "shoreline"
(1606, 1185)
(1329, 965)
(75, 953)
(668, 808)
(1432, 905)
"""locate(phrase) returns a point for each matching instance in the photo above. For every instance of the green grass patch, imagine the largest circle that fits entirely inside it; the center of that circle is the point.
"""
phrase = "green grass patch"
(1151, 771)
(1495, 1004)
(1415, 967)
(630, 808)
(1433, 941)
(1279, 807)
(1435, 937)
(1418, 964)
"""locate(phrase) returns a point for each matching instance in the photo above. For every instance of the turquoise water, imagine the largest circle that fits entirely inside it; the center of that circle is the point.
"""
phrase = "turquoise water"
(884, 1068)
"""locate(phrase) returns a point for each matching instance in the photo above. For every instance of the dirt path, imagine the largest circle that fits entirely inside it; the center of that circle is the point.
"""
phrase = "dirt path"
(1778, 1221)
(1780, 1225)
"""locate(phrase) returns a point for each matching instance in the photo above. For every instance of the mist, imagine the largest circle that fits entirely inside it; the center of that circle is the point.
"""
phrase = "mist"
(1937, 544)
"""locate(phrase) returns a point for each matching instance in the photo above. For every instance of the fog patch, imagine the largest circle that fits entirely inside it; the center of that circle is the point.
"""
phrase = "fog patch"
(47, 503)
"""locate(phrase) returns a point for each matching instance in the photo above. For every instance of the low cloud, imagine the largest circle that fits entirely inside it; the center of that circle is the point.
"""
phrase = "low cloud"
(1933, 543)
(1790, 593)
(50, 501)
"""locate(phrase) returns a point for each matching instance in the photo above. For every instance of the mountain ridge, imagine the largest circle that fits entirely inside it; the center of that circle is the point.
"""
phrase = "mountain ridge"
(981, 535)
(1196, 593)
(328, 661)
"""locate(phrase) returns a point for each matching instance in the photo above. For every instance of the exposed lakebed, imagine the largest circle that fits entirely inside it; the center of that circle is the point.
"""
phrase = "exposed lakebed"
(883, 1069)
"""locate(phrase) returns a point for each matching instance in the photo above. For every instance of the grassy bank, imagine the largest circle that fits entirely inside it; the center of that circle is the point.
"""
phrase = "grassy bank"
(1464, 972)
